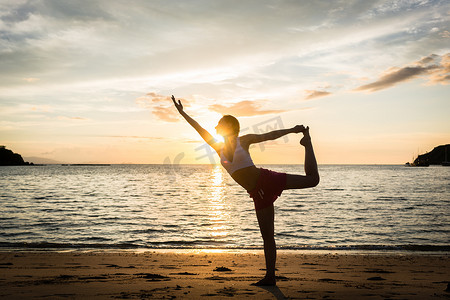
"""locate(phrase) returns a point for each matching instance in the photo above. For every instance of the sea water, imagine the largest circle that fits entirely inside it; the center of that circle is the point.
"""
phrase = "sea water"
(200, 206)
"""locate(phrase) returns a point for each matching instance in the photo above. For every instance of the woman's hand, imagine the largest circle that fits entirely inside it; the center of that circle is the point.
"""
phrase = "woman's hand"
(178, 105)
(298, 129)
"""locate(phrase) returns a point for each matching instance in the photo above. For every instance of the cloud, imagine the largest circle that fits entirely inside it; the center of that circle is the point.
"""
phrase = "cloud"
(64, 42)
(242, 109)
(427, 59)
(154, 97)
(442, 75)
(161, 106)
(394, 77)
(41, 108)
(166, 114)
(135, 137)
(436, 67)
(316, 94)
(64, 118)
(68, 10)
(31, 79)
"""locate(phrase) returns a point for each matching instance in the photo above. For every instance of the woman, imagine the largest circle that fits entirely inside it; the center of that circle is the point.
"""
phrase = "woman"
(264, 186)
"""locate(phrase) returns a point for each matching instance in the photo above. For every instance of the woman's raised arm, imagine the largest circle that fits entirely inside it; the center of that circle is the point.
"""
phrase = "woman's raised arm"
(203, 132)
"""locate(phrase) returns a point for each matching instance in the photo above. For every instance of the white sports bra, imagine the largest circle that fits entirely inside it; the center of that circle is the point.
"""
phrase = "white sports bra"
(241, 159)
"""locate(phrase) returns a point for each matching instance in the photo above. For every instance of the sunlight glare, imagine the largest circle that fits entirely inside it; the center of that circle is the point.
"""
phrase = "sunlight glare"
(211, 128)
(217, 212)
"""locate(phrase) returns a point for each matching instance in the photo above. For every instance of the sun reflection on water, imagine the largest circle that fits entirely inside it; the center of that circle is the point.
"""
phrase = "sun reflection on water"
(218, 215)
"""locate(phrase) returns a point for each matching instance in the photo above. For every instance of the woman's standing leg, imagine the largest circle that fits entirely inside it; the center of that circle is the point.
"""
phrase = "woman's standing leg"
(266, 226)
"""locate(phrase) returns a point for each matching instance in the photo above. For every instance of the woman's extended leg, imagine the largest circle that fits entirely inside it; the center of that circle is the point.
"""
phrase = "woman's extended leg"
(311, 178)
(266, 226)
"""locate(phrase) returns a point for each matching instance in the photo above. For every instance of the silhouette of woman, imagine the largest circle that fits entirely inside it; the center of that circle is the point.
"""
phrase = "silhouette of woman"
(264, 186)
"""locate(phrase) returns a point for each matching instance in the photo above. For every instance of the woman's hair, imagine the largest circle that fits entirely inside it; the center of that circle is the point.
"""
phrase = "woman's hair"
(232, 122)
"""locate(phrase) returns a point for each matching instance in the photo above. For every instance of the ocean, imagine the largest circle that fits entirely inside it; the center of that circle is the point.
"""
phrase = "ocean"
(355, 207)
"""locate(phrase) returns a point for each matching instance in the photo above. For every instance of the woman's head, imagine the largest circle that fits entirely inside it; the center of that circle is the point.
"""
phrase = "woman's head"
(227, 126)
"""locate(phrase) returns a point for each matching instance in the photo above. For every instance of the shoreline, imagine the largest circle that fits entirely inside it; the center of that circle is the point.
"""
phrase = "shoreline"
(388, 252)
(154, 274)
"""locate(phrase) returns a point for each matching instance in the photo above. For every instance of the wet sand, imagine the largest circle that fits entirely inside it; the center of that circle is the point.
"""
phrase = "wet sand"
(199, 274)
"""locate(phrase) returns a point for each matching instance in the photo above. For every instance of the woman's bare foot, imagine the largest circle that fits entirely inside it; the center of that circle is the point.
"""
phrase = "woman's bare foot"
(266, 281)
(306, 140)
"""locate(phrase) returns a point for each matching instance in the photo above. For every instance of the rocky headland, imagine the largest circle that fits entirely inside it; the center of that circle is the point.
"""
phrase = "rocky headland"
(440, 155)
(9, 158)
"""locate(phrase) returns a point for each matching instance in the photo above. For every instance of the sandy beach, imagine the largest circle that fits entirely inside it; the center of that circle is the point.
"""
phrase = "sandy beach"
(201, 274)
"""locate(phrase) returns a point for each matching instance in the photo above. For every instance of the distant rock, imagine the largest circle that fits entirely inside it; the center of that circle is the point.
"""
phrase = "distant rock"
(438, 156)
(42, 160)
(9, 158)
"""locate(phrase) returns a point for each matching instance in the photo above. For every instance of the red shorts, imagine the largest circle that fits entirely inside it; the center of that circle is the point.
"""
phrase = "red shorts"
(269, 186)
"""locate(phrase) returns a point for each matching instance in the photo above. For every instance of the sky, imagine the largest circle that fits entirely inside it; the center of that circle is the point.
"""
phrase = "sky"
(90, 81)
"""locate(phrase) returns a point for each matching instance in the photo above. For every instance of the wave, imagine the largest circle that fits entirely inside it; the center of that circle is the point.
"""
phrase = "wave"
(208, 245)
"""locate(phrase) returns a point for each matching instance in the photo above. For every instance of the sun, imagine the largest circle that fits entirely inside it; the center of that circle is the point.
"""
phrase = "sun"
(218, 138)
(211, 128)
